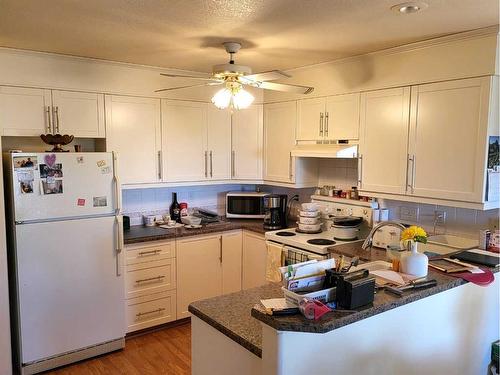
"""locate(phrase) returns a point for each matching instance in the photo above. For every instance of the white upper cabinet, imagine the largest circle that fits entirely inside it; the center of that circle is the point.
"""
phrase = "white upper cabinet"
(133, 131)
(247, 134)
(184, 140)
(383, 140)
(448, 139)
(342, 117)
(279, 138)
(79, 113)
(25, 111)
(219, 143)
(329, 118)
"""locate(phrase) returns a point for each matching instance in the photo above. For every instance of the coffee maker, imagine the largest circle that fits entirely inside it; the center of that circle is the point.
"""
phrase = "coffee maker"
(276, 215)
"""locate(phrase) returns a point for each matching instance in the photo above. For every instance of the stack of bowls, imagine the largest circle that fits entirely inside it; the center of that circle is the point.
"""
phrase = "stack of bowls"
(309, 218)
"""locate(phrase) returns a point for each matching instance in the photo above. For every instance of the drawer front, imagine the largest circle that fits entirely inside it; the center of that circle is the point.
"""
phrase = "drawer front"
(152, 277)
(150, 253)
(151, 310)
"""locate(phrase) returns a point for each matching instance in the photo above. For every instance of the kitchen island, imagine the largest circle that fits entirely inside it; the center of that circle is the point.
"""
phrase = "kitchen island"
(444, 329)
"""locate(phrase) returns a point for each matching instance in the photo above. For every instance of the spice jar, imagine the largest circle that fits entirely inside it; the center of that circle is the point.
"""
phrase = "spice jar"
(354, 194)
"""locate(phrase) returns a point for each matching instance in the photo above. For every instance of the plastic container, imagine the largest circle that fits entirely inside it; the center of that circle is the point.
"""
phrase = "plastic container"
(323, 295)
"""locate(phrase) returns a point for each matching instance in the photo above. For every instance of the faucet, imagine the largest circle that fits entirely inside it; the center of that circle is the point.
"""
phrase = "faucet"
(369, 239)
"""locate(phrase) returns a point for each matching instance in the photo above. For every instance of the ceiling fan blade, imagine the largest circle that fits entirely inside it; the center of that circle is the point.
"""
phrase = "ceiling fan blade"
(285, 87)
(205, 77)
(189, 86)
(268, 76)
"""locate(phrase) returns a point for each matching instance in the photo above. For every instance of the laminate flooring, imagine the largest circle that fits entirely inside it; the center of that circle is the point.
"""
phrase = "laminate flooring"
(166, 351)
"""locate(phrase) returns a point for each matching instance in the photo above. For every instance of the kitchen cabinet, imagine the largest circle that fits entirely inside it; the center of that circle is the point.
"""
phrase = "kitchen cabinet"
(247, 134)
(329, 118)
(79, 113)
(219, 143)
(254, 260)
(232, 243)
(30, 112)
(448, 139)
(383, 140)
(133, 131)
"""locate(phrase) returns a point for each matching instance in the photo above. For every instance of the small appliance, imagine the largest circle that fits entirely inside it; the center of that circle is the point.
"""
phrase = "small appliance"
(276, 212)
(246, 204)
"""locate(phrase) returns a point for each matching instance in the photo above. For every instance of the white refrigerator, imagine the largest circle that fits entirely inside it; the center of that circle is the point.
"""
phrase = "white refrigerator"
(65, 245)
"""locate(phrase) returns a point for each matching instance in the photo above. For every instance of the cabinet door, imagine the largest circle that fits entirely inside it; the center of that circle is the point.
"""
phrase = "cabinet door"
(231, 261)
(342, 121)
(199, 271)
(25, 111)
(448, 139)
(184, 140)
(133, 131)
(254, 260)
(280, 120)
(383, 140)
(79, 113)
(219, 143)
(311, 119)
(247, 129)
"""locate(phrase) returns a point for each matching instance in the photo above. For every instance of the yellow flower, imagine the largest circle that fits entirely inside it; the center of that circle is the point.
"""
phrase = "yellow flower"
(414, 233)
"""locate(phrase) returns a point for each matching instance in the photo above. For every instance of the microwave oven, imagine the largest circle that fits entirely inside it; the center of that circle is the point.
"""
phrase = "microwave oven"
(246, 204)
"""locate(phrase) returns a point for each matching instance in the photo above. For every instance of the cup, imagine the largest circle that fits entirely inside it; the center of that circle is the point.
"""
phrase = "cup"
(166, 218)
(149, 220)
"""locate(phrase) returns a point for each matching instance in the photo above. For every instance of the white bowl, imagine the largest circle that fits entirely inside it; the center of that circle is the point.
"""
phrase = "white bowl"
(309, 213)
(310, 227)
(191, 220)
(309, 207)
(309, 220)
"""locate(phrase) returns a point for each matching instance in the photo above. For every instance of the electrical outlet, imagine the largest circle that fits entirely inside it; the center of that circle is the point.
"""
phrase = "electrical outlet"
(407, 213)
(439, 217)
(493, 224)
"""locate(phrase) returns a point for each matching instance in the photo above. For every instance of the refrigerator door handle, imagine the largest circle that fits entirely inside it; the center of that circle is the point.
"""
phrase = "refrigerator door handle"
(116, 179)
(119, 244)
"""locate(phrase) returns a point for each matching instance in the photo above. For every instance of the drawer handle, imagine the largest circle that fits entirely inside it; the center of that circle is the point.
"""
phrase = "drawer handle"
(161, 309)
(157, 278)
(150, 252)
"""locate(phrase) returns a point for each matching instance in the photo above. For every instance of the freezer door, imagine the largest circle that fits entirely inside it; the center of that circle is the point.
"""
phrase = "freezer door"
(70, 294)
(63, 185)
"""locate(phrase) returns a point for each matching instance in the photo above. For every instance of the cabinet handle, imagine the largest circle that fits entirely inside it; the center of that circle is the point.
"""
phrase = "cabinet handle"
(211, 165)
(412, 175)
(326, 123)
(49, 121)
(57, 119)
(290, 167)
(160, 166)
(157, 278)
(206, 161)
(321, 124)
(220, 249)
(116, 179)
(360, 170)
(148, 253)
(233, 156)
(119, 244)
(161, 309)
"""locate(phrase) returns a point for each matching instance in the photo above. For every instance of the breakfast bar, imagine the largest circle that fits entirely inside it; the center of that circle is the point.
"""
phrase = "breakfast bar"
(447, 328)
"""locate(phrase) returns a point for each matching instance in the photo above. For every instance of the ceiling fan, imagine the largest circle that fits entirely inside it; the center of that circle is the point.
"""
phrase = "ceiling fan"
(234, 77)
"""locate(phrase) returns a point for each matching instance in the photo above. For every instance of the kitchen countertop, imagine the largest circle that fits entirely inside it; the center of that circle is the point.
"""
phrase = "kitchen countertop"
(141, 233)
(232, 314)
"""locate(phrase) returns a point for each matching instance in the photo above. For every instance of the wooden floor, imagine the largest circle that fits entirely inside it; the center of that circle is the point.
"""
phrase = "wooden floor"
(167, 351)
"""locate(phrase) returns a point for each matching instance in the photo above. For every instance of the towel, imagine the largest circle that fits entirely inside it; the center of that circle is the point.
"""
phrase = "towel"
(274, 261)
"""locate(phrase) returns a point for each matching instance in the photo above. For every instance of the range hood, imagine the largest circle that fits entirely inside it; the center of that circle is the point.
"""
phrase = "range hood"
(339, 150)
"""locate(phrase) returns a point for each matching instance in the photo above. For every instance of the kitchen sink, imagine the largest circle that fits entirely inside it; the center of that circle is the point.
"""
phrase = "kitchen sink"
(447, 243)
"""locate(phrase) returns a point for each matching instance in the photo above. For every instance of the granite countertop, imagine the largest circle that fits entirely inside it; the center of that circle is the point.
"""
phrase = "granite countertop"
(232, 314)
(141, 233)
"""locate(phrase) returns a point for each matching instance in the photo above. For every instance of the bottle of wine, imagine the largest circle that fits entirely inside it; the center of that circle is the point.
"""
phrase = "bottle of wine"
(175, 209)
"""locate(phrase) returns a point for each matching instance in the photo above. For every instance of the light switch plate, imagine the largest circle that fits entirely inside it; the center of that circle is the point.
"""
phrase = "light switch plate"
(407, 213)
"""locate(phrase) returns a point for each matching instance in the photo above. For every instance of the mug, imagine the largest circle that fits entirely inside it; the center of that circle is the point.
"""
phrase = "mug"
(149, 220)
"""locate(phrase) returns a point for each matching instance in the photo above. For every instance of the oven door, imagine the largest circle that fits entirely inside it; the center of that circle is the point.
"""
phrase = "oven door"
(245, 206)
(294, 255)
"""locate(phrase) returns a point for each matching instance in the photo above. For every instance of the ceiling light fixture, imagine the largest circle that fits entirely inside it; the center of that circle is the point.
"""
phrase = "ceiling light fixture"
(232, 96)
(409, 8)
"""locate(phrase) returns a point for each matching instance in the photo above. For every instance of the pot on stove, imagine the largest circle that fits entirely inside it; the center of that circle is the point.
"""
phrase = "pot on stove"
(346, 227)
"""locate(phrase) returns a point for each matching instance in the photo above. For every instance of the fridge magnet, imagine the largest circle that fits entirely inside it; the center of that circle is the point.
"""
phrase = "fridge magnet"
(106, 170)
(80, 202)
(101, 163)
(51, 171)
(79, 159)
(55, 187)
(25, 177)
(50, 160)
(493, 152)
(25, 162)
(26, 187)
(100, 201)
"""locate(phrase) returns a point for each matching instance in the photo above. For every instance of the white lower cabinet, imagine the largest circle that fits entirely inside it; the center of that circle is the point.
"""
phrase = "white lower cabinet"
(254, 260)
(231, 261)
(150, 283)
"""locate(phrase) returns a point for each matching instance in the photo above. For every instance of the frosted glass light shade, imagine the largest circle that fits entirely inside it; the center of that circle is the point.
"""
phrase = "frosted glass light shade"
(237, 99)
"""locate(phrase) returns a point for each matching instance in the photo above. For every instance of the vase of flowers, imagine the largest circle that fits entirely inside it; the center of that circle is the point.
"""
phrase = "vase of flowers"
(413, 262)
